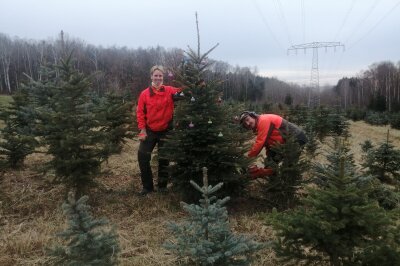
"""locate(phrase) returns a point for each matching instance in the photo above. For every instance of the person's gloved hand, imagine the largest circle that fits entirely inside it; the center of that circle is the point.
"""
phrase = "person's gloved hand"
(255, 172)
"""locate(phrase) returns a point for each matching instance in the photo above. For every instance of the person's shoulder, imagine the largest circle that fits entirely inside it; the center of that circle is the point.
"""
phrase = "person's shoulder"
(271, 116)
(145, 91)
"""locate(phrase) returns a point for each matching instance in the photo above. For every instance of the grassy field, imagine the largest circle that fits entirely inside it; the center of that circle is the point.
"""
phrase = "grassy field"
(30, 213)
(4, 100)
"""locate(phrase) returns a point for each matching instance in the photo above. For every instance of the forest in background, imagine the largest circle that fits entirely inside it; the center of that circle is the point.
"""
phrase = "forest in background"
(125, 70)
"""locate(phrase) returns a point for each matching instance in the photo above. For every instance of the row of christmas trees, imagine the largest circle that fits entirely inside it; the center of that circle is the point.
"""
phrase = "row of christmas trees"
(344, 218)
(341, 220)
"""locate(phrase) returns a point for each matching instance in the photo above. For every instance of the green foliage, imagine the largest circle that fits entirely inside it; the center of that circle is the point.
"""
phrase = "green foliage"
(68, 125)
(16, 138)
(115, 114)
(288, 167)
(355, 114)
(339, 126)
(288, 99)
(321, 126)
(297, 114)
(311, 146)
(383, 162)
(78, 130)
(377, 103)
(205, 134)
(86, 242)
(366, 146)
(205, 237)
(337, 221)
(395, 120)
(377, 119)
(340, 151)
(387, 196)
(383, 253)
(321, 121)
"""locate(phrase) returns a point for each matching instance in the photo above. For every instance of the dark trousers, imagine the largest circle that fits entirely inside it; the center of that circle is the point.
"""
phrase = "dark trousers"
(144, 156)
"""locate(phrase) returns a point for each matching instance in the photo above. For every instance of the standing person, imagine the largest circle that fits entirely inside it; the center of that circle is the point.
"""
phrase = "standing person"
(269, 129)
(154, 116)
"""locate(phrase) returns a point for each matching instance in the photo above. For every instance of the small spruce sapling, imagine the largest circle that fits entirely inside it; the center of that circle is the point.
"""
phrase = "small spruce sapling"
(382, 162)
(205, 237)
(87, 243)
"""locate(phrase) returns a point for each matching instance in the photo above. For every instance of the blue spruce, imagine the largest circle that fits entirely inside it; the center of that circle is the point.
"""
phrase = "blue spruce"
(86, 242)
(205, 237)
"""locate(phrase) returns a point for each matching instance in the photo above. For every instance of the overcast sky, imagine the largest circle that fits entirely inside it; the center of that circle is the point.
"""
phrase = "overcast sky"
(252, 33)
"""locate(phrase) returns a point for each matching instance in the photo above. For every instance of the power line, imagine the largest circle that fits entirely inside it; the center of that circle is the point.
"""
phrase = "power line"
(376, 25)
(266, 24)
(362, 20)
(345, 19)
(282, 15)
(303, 21)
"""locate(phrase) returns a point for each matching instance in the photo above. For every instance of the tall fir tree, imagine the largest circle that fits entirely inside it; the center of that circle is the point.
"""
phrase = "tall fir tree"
(16, 138)
(86, 242)
(205, 134)
(338, 222)
(205, 238)
(70, 125)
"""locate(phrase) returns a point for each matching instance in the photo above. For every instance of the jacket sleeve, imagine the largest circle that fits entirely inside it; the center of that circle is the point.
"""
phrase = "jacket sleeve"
(141, 112)
(262, 132)
(175, 90)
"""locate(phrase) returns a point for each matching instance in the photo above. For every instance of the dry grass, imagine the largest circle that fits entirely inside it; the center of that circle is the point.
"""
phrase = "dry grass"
(360, 132)
(30, 213)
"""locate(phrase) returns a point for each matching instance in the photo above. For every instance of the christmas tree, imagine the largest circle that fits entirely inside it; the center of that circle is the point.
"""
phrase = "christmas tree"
(340, 149)
(205, 238)
(337, 223)
(382, 162)
(205, 133)
(17, 136)
(70, 125)
(381, 166)
(288, 168)
(87, 243)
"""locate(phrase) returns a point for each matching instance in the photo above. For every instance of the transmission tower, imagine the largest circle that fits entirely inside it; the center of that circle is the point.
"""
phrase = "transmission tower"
(314, 93)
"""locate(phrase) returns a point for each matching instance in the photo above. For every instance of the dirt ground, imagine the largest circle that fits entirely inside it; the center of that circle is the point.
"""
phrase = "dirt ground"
(30, 213)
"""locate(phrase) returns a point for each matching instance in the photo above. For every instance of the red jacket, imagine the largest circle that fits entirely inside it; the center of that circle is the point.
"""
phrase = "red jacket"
(263, 124)
(155, 108)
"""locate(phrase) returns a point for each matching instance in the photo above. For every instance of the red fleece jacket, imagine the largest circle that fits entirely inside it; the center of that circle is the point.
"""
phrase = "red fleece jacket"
(263, 124)
(155, 109)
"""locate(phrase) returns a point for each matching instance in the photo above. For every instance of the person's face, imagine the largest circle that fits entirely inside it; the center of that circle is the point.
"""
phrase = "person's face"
(249, 122)
(157, 77)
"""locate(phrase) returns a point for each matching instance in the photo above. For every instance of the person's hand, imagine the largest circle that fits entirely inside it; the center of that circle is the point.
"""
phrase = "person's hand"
(142, 134)
(255, 172)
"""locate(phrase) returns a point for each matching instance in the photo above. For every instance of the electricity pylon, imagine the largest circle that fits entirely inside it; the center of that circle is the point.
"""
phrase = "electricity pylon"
(314, 93)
